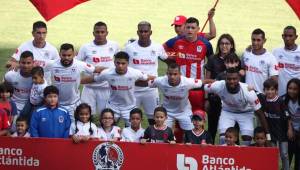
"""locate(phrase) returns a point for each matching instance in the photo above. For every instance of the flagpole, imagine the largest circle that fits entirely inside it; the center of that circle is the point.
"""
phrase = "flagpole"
(217, 1)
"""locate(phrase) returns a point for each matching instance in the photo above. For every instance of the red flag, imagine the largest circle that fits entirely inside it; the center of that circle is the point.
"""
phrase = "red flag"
(51, 8)
(295, 5)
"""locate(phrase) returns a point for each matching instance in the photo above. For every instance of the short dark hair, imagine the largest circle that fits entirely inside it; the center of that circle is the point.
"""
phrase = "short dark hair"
(144, 23)
(37, 70)
(233, 130)
(161, 109)
(290, 28)
(38, 24)
(122, 55)
(270, 83)
(66, 46)
(192, 20)
(173, 65)
(99, 24)
(136, 111)
(51, 90)
(259, 129)
(259, 31)
(232, 58)
(6, 87)
(22, 118)
(26, 54)
(232, 70)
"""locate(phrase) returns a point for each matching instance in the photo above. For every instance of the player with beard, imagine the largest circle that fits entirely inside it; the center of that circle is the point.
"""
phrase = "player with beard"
(65, 74)
(238, 105)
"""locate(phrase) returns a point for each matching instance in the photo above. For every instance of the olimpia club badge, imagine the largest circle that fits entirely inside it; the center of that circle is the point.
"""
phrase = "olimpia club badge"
(108, 156)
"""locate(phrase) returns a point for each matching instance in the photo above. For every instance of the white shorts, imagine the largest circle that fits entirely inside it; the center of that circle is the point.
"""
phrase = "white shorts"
(71, 109)
(121, 114)
(96, 97)
(245, 121)
(149, 99)
(183, 118)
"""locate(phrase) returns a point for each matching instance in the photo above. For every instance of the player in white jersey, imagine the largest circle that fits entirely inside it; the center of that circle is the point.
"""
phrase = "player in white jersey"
(121, 80)
(288, 58)
(144, 55)
(259, 63)
(21, 80)
(238, 105)
(42, 50)
(65, 75)
(175, 90)
(99, 52)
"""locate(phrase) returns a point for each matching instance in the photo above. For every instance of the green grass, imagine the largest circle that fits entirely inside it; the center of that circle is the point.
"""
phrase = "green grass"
(237, 17)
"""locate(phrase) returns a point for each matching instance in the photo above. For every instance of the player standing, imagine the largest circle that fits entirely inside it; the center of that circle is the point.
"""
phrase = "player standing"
(65, 74)
(21, 80)
(99, 52)
(238, 105)
(41, 50)
(143, 56)
(259, 63)
(288, 58)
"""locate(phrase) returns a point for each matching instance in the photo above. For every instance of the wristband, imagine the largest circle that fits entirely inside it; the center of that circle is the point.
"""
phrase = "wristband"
(268, 136)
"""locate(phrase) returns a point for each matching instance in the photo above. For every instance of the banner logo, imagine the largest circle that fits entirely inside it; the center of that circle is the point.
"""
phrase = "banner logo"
(108, 156)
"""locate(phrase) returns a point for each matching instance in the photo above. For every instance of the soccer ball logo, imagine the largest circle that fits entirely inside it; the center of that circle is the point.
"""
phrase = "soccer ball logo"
(108, 156)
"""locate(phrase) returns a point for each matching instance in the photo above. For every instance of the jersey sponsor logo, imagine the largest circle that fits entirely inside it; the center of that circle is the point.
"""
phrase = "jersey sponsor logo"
(199, 49)
(135, 61)
(97, 59)
(289, 66)
(143, 61)
(108, 155)
(253, 69)
(120, 87)
(61, 119)
(280, 65)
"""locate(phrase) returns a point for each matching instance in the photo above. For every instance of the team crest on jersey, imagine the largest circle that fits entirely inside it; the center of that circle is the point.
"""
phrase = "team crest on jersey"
(73, 69)
(94, 52)
(297, 58)
(135, 53)
(108, 156)
(61, 119)
(56, 71)
(280, 56)
(46, 54)
(111, 49)
(199, 49)
(153, 53)
(262, 62)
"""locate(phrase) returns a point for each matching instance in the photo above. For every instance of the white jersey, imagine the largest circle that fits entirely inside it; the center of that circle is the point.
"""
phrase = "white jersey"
(130, 135)
(37, 93)
(41, 55)
(27, 135)
(22, 86)
(175, 98)
(145, 59)
(244, 101)
(121, 87)
(67, 79)
(289, 66)
(259, 68)
(83, 129)
(114, 133)
(98, 55)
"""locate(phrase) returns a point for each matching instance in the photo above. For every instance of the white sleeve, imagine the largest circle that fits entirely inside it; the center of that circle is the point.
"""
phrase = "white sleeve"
(17, 53)
(214, 87)
(117, 132)
(8, 76)
(81, 54)
(88, 68)
(124, 135)
(253, 100)
(193, 83)
(55, 55)
(48, 65)
(140, 75)
(72, 129)
(162, 53)
(95, 130)
(100, 77)
(273, 68)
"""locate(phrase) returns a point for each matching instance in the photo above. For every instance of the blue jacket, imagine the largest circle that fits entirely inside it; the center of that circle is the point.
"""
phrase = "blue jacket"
(50, 123)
